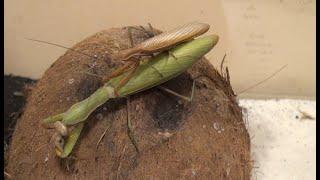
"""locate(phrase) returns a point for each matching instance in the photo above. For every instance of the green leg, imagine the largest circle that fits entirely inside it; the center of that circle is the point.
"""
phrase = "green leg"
(189, 99)
(130, 129)
(91, 74)
(53, 119)
(75, 117)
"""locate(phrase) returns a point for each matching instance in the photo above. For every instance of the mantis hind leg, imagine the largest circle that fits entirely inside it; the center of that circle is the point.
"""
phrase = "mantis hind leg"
(130, 35)
(189, 99)
(118, 71)
(130, 128)
(150, 33)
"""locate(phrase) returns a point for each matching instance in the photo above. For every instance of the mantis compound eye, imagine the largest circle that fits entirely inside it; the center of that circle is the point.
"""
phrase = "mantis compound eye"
(61, 128)
(58, 143)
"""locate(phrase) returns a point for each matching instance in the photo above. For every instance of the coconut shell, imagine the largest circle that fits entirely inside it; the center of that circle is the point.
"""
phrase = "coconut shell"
(202, 139)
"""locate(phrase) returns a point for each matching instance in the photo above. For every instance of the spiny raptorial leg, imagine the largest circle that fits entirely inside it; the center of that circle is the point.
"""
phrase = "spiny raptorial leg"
(118, 71)
(150, 34)
(134, 63)
(122, 69)
(125, 79)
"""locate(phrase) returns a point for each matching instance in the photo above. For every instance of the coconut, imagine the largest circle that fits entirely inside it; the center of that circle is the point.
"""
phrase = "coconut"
(174, 139)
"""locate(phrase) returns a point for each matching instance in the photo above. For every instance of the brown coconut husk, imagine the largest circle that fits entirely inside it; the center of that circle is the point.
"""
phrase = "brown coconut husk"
(204, 139)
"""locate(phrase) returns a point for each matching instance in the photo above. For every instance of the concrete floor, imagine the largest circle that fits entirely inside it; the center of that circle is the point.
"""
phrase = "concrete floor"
(283, 142)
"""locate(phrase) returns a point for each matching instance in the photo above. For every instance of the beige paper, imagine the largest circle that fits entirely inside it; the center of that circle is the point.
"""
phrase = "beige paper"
(264, 36)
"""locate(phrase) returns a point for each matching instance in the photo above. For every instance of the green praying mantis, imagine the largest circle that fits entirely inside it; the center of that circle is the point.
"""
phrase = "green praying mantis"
(155, 44)
(177, 51)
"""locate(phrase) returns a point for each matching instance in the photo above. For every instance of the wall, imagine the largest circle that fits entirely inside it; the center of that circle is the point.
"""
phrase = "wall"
(258, 37)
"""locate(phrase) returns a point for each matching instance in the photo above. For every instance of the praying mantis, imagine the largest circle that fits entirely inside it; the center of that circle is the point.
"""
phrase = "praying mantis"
(135, 76)
(156, 44)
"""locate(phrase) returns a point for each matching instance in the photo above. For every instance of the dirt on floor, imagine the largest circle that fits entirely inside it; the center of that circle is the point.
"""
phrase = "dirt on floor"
(15, 91)
(204, 139)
